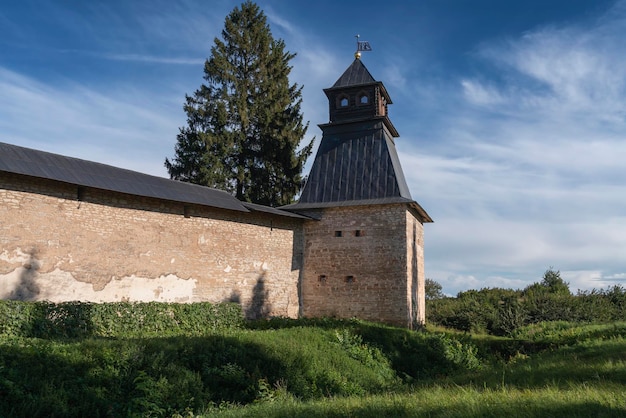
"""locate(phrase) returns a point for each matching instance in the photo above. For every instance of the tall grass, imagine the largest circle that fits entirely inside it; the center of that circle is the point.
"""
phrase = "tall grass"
(459, 401)
(312, 368)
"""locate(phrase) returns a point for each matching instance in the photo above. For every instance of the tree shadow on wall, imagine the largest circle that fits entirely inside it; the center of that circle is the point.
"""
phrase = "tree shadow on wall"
(27, 288)
(259, 307)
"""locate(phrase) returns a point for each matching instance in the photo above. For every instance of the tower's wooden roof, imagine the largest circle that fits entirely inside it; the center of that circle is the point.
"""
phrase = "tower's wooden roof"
(357, 162)
(354, 75)
(357, 75)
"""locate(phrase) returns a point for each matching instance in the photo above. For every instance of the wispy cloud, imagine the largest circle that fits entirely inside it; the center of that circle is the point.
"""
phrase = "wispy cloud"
(531, 170)
(154, 59)
(517, 153)
(76, 120)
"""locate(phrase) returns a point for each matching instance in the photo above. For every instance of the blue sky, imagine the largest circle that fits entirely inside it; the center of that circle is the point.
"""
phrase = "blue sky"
(512, 115)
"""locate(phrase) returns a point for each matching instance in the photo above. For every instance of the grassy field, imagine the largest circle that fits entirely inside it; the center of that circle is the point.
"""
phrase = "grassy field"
(319, 368)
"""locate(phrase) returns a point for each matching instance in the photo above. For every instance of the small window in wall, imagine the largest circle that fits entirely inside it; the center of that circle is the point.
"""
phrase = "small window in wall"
(364, 99)
(343, 102)
(338, 234)
(358, 233)
(349, 279)
(321, 278)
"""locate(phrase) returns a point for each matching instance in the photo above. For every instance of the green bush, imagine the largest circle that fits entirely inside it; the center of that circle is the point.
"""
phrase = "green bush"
(83, 319)
(282, 360)
(502, 311)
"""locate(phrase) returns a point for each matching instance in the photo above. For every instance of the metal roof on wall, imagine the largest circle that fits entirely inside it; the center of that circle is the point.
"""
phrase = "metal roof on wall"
(41, 164)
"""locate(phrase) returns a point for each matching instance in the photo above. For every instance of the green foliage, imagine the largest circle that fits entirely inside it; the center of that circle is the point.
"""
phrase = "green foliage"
(83, 319)
(287, 367)
(502, 311)
(470, 311)
(244, 126)
(579, 401)
(511, 315)
(433, 290)
(553, 282)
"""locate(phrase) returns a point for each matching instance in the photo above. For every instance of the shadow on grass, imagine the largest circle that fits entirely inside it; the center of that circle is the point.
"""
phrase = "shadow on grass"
(131, 377)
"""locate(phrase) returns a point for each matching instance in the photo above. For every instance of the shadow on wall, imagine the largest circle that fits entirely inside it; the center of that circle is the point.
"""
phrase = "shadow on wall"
(414, 281)
(27, 289)
(259, 307)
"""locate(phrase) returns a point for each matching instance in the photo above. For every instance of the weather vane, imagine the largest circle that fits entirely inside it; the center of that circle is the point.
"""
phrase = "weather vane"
(361, 46)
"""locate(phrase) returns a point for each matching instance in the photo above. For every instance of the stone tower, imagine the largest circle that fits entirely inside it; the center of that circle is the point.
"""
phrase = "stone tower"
(364, 254)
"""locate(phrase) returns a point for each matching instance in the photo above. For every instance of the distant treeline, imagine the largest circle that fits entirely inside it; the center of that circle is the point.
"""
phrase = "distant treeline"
(501, 311)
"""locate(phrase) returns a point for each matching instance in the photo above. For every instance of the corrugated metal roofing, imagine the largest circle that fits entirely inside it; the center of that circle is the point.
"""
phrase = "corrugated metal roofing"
(26, 161)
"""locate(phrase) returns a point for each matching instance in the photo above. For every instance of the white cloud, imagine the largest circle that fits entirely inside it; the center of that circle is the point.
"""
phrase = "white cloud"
(79, 121)
(155, 59)
(393, 75)
(526, 170)
(480, 94)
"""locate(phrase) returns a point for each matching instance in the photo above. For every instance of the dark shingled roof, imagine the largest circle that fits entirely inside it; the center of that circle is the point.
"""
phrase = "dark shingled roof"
(29, 162)
(354, 75)
(363, 166)
(357, 162)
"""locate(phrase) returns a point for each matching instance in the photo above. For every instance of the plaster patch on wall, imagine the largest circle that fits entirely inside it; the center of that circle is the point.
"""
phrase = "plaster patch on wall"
(60, 286)
(16, 256)
(260, 265)
(135, 289)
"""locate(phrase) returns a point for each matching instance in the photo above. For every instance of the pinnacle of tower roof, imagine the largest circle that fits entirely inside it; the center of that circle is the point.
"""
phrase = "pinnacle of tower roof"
(354, 75)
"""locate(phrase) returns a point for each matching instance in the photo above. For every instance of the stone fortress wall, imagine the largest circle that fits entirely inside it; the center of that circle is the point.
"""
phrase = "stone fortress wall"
(358, 263)
(352, 246)
(62, 243)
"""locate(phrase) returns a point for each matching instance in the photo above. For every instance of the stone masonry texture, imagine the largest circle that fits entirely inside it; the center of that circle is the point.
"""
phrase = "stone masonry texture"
(364, 262)
(59, 243)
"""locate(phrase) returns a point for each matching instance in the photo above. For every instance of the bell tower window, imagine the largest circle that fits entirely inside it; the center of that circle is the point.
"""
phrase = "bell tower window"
(343, 102)
(364, 99)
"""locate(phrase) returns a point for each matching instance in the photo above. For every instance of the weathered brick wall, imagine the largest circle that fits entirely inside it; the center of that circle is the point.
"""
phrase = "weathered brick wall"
(111, 247)
(371, 271)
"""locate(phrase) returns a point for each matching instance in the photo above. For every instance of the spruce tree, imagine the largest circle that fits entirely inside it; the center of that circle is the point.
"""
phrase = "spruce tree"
(244, 125)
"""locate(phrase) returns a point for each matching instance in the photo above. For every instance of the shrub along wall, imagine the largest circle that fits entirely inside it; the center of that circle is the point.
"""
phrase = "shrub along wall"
(502, 311)
(83, 319)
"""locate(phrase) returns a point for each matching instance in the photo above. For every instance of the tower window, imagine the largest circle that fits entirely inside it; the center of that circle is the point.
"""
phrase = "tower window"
(358, 233)
(338, 234)
(321, 278)
(343, 102)
(364, 99)
(349, 279)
